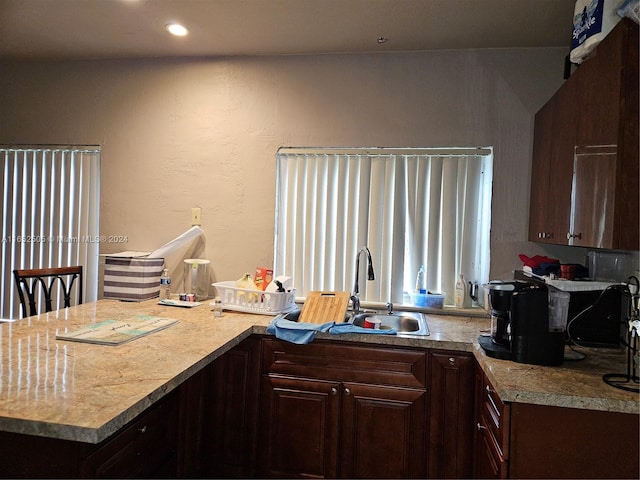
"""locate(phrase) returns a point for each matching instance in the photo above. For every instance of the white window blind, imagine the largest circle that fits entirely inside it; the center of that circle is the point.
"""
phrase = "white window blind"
(411, 207)
(50, 214)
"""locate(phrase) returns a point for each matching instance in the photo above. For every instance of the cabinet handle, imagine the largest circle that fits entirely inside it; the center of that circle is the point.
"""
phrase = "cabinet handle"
(574, 235)
(142, 429)
(347, 391)
(488, 389)
(452, 361)
(334, 391)
(480, 427)
(543, 235)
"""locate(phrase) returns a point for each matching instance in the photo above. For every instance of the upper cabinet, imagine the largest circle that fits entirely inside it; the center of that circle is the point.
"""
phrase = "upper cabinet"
(584, 179)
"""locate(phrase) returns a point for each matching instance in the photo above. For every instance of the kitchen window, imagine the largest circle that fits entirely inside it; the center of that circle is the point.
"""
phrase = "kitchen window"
(410, 206)
(50, 201)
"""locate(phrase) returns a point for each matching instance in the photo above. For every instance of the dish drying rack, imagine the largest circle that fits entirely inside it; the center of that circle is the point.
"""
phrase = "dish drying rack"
(254, 301)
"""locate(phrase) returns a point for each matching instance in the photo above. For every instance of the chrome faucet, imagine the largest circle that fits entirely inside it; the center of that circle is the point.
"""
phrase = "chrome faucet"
(355, 296)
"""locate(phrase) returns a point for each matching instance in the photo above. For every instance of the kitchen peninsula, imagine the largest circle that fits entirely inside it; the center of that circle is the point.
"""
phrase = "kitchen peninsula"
(156, 406)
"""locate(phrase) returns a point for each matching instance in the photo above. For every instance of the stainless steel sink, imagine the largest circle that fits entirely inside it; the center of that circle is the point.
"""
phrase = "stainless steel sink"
(402, 323)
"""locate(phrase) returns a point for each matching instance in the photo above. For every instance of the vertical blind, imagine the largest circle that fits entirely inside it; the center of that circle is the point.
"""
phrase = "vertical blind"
(50, 214)
(411, 207)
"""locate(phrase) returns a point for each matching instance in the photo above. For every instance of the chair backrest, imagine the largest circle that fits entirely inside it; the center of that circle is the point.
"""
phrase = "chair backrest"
(28, 281)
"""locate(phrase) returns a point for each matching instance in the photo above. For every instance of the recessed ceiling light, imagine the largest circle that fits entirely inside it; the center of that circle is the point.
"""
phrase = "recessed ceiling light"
(382, 40)
(176, 29)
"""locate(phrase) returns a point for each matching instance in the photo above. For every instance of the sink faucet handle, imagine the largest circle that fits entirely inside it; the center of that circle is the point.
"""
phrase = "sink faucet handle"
(355, 300)
(389, 308)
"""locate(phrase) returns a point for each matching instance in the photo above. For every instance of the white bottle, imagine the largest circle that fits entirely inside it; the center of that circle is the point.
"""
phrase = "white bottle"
(165, 285)
(421, 284)
(460, 292)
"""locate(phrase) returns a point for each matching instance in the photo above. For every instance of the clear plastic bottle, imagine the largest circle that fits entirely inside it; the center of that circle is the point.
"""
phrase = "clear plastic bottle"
(460, 292)
(421, 282)
(217, 307)
(165, 285)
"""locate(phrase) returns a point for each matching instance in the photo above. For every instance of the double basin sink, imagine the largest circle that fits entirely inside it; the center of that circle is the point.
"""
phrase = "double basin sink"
(404, 323)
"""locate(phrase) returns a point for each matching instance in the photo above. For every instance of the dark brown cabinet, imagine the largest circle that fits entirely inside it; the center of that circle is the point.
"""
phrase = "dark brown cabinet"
(451, 414)
(331, 410)
(382, 432)
(491, 441)
(521, 440)
(230, 414)
(552, 171)
(299, 425)
(585, 168)
(148, 448)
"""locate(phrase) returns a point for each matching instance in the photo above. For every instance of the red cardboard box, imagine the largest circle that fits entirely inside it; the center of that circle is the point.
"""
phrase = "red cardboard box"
(263, 277)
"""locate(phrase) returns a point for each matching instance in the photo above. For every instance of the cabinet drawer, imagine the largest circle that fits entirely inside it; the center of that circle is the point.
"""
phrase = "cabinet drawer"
(490, 462)
(145, 448)
(329, 361)
(495, 415)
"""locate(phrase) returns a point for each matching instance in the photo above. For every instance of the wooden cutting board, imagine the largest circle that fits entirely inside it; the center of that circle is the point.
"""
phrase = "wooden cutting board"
(323, 307)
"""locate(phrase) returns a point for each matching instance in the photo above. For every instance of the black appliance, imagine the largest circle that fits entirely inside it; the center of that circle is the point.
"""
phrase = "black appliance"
(523, 326)
(596, 318)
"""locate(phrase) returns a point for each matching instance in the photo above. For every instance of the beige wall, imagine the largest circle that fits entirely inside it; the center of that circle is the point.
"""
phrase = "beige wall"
(203, 132)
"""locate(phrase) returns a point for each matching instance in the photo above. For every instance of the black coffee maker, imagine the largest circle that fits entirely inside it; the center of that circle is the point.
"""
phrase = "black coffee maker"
(528, 323)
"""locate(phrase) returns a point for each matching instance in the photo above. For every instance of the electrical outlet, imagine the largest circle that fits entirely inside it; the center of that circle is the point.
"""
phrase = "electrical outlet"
(196, 216)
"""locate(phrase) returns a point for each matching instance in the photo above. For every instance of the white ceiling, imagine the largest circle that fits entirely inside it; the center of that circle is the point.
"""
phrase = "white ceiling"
(40, 29)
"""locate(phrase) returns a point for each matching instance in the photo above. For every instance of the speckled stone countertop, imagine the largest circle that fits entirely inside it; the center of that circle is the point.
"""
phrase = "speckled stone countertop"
(86, 392)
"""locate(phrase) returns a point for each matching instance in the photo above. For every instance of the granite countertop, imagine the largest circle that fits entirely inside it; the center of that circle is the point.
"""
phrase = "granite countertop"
(86, 392)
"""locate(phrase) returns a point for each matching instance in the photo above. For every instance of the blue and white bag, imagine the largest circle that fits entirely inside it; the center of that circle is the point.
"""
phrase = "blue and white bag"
(592, 21)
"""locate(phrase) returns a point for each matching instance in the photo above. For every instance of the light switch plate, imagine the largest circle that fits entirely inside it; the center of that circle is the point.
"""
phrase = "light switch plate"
(196, 216)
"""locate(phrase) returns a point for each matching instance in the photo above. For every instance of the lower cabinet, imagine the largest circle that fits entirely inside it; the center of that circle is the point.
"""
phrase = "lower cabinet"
(451, 414)
(272, 409)
(299, 425)
(343, 411)
(521, 440)
(230, 413)
(148, 448)
(491, 440)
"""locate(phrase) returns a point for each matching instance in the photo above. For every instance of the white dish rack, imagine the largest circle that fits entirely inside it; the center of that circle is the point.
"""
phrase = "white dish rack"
(254, 301)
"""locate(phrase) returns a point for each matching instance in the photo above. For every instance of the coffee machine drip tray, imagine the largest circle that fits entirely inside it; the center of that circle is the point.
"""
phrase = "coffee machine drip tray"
(495, 350)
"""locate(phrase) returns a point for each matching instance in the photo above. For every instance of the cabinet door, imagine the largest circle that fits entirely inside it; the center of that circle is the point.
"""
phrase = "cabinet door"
(451, 416)
(598, 118)
(299, 428)
(383, 432)
(552, 166)
(540, 168)
(230, 423)
(561, 167)
(147, 448)
(592, 197)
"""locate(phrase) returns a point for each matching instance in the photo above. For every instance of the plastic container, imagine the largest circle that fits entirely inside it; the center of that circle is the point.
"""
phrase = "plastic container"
(254, 301)
(217, 307)
(435, 300)
(165, 285)
(428, 300)
(609, 266)
(196, 277)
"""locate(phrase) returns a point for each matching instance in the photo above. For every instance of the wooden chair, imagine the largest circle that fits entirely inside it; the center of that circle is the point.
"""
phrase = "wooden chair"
(27, 282)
